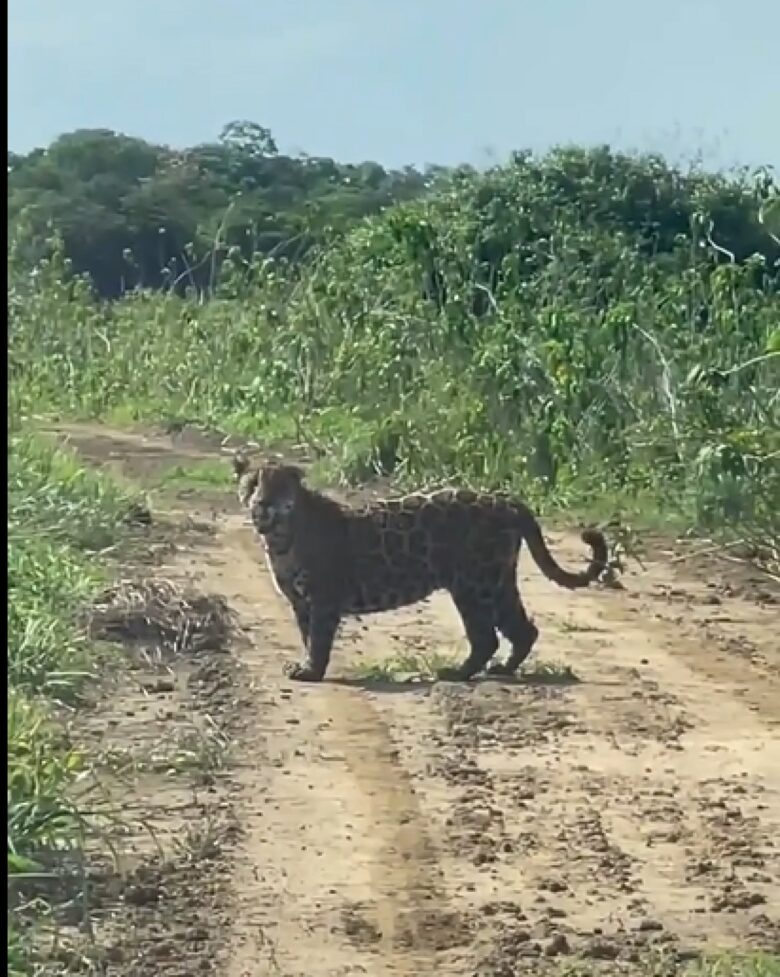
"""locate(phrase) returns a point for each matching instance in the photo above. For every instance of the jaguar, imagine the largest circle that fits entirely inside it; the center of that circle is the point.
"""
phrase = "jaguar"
(332, 560)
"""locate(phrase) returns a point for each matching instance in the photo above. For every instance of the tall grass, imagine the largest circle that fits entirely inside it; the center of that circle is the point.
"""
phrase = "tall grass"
(60, 517)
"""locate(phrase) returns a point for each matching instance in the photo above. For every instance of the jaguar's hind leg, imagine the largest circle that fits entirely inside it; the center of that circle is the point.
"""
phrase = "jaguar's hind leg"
(513, 622)
(477, 614)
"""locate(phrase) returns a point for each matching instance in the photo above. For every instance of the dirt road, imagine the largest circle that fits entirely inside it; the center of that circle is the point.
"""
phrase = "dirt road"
(408, 827)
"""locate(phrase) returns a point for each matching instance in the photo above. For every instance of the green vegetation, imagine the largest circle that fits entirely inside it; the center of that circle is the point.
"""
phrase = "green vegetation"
(580, 327)
(135, 214)
(202, 475)
(404, 667)
(410, 667)
(753, 965)
(726, 965)
(59, 518)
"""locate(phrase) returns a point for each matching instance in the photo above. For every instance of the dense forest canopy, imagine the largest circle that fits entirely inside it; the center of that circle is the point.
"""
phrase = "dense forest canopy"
(132, 213)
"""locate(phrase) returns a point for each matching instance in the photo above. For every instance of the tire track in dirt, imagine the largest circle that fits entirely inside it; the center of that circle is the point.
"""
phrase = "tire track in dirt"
(339, 870)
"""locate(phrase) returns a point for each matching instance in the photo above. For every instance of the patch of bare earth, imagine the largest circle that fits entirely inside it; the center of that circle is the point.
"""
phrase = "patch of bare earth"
(496, 828)
(161, 728)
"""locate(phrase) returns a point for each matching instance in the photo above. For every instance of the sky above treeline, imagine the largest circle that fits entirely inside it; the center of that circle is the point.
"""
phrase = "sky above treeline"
(407, 81)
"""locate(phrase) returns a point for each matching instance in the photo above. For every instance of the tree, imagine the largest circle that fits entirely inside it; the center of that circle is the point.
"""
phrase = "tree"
(249, 137)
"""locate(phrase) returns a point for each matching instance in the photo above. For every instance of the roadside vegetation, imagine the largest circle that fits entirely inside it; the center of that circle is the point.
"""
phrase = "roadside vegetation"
(594, 330)
(61, 518)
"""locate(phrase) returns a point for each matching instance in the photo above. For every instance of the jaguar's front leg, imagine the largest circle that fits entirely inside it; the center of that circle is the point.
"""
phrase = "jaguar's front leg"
(302, 611)
(323, 622)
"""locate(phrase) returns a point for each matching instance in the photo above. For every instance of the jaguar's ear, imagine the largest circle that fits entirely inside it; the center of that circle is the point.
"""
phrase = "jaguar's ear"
(247, 485)
(240, 464)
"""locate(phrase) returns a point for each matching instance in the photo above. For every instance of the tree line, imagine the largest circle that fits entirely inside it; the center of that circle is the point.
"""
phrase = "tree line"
(135, 214)
(132, 213)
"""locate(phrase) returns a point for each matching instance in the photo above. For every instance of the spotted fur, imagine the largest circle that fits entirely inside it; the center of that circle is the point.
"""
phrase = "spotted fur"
(331, 561)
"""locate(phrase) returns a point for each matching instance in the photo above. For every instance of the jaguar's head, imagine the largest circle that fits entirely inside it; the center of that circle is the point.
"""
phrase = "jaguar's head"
(270, 492)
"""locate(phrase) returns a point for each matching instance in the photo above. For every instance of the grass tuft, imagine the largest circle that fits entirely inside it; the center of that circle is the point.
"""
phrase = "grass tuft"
(411, 667)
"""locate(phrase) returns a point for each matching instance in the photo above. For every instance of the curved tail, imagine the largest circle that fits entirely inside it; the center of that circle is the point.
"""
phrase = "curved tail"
(544, 559)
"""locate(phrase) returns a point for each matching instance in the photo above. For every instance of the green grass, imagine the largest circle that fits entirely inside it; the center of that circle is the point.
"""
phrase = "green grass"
(199, 475)
(60, 519)
(411, 667)
(404, 667)
(715, 965)
(547, 673)
(738, 965)
(200, 749)
(52, 494)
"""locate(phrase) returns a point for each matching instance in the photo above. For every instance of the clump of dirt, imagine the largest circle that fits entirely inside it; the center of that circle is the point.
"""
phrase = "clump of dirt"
(510, 942)
(434, 929)
(138, 514)
(359, 926)
(419, 929)
(161, 613)
(167, 916)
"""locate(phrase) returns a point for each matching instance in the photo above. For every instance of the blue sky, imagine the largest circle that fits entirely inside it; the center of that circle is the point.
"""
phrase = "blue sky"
(406, 81)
